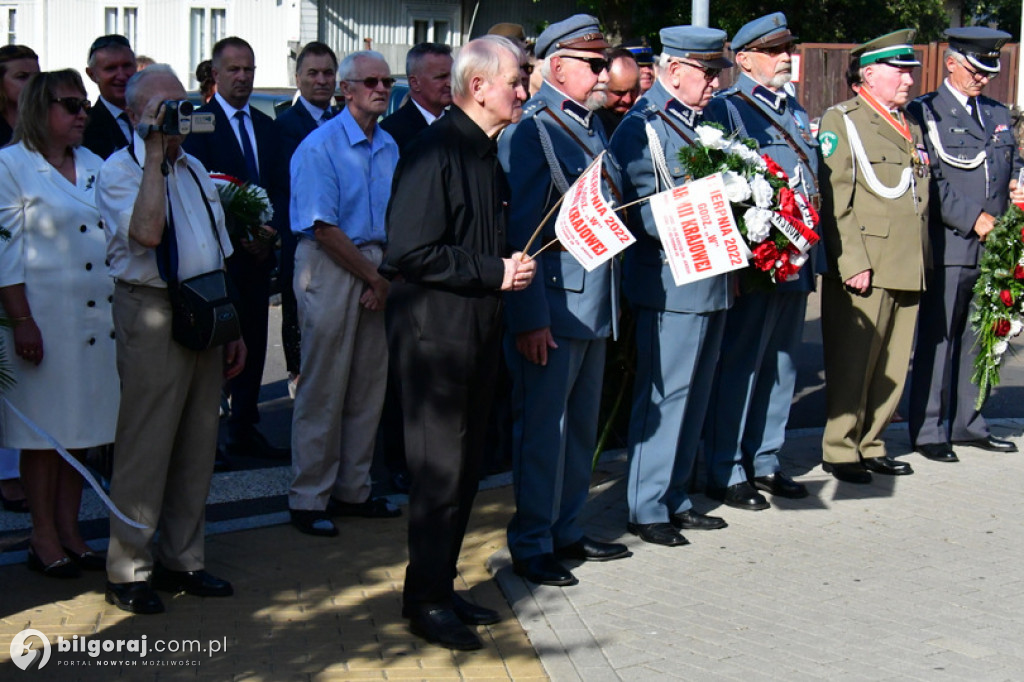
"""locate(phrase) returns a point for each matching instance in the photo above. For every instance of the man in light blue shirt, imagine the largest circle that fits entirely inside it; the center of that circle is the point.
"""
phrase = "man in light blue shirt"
(341, 184)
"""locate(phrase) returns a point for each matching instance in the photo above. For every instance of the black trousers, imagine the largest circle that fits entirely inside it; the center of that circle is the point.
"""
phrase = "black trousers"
(252, 281)
(448, 351)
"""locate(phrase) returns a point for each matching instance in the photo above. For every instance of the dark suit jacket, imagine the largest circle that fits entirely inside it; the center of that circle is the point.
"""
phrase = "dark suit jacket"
(404, 124)
(290, 129)
(103, 136)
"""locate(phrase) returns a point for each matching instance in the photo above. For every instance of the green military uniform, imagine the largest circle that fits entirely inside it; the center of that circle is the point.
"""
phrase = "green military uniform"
(874, 218)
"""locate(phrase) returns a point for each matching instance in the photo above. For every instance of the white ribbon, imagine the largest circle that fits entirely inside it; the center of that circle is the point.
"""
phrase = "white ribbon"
(873, 183)
(73, 461)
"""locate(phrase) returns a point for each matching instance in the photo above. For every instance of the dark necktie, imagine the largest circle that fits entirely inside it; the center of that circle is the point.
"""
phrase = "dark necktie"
(976, 112)
(247, 150)
(123, 116)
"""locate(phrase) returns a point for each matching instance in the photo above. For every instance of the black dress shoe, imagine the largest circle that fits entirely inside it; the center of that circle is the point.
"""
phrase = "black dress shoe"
(442, 626)
(938, 452)
(372, 508)
(313, 522)
(88, 560)
(992, 444)
(849, 472)
(691, 520)
(544, 569)
(197, 583)
(137, 597)
(887, 466)
(588, 549)
(63, 567)
(741, 496)
(781, 485)
(473, 614)
(658, 534)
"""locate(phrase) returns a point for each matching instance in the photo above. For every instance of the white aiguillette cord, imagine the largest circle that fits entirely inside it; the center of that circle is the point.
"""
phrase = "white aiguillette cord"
(73, 461)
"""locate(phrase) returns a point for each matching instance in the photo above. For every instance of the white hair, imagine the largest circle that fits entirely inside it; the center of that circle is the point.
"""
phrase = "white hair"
(481, 57)
(347, 68)
(136, 83)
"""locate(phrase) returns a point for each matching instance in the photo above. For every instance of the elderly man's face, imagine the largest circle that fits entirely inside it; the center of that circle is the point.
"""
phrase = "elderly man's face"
(965, 77)
(366, 93)
(889, 84)
(503, 93)
(692, 83)
(431, 85)
(581, 74)
(771, 67)
(111, 68)
(623, 86)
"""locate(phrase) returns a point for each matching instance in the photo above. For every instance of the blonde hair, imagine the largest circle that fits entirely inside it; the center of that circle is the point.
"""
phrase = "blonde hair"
(33, 127)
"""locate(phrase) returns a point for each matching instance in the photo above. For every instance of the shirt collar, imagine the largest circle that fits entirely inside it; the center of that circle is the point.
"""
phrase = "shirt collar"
(684, 113)
(229, 110)
(427, 116)
(316, 112)
(115, 110)
(571, 107)
(958, 96)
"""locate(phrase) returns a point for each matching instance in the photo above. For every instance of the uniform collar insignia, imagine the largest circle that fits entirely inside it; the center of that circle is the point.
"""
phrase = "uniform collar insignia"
(684, 113)
(577, 112)
(776, 101)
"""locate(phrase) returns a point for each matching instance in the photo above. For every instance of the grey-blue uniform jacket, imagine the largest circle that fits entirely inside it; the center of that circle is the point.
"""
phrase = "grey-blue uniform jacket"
(574, 303)
(961, 195)
(647, 278)
(756, 121)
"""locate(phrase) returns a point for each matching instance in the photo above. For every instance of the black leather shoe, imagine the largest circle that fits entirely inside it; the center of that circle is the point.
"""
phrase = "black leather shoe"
(313, 522)
(88, 560)
(658, 534)
(938, 452)
(781, 485)
(372, 508)
(992, 444)
(849, 472)
(741, 496)
(197, 583)
(887, 466)
(691, 520)
(588, 549)
(544, 569)
(473, 614)
(246, 441)
(442, 626)
(137, 597)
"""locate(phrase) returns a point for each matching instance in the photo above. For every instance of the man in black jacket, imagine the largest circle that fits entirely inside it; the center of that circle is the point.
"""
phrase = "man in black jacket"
(429, 66)
(111, 64)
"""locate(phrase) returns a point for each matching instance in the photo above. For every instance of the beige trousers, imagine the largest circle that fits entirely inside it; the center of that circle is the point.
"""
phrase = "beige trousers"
(166, 438)
(344, 371)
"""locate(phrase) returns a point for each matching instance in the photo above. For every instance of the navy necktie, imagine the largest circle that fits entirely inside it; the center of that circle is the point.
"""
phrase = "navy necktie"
(976, 112)
(127, 124)
(247, 150)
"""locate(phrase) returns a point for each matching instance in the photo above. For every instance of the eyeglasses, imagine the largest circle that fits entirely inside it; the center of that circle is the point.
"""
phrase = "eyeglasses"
(113, 40)
(73, 105)
(597, 64)
(978, 75)
(709, 73)
(775, 50)
(371, 82)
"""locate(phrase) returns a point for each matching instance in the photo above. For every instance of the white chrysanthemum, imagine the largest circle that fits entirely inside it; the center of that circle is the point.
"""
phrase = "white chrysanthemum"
(711, 137)
(758, 221)
(761, 191)
(1016, 327)
(1000, 347)
(736, 187)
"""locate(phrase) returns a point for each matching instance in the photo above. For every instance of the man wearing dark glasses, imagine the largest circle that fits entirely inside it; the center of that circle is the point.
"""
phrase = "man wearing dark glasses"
(756, 377)
(679, 328)
(111, 64)
(558, 325)
(975, 166)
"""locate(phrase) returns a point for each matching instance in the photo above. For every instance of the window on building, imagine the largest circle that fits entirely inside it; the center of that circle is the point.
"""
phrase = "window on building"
(12, 33)
(430, 24)
(123, 21)
(207, 25)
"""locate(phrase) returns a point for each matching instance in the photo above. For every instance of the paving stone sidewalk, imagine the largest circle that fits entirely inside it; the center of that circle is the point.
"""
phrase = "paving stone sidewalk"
(911, 578)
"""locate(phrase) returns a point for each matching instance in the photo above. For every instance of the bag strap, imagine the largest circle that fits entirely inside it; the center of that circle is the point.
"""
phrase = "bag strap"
(790, 140)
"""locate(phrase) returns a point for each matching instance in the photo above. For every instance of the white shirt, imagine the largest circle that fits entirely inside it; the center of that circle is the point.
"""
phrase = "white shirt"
(316, 112)
(230, 112)
(117, 188)
(960, 97)
(427, 116)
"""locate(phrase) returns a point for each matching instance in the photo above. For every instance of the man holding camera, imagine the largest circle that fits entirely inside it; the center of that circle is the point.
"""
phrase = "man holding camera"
(167, 425)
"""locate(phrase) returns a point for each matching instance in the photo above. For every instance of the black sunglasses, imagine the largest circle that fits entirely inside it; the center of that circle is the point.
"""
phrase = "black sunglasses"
(709, 73)
(597, 64)
(371, 82)
(73, 105)
(113, 40)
